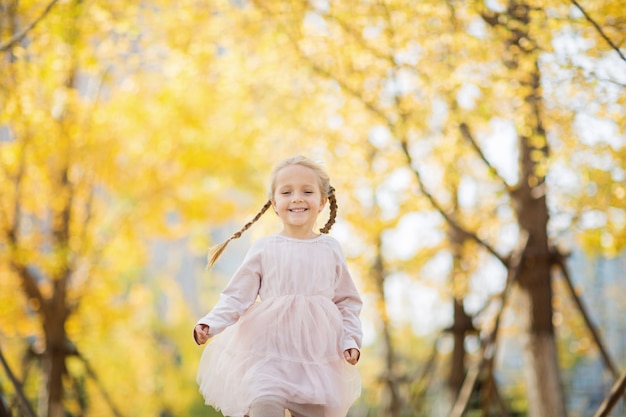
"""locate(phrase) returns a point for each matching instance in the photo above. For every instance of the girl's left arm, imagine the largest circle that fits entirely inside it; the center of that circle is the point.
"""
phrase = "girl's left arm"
(349, 303)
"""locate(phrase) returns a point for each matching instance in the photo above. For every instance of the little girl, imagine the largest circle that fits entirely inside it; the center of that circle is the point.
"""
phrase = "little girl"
(294, 349)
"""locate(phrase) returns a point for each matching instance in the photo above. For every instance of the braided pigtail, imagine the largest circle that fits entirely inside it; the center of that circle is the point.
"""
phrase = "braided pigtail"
(216, 251)
(332, 201)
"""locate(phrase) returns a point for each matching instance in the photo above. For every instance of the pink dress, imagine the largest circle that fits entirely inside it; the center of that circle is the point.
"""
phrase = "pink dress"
(290, 344)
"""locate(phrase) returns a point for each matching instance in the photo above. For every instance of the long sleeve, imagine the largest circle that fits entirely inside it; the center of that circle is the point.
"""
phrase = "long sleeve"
(238, 296)
(349, 303)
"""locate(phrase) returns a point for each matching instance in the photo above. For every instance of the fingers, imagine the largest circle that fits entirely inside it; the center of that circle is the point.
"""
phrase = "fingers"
(201, 333)
(352, 356)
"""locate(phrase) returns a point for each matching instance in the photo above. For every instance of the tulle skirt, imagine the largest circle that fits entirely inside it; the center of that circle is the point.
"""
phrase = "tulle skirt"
(286, 347)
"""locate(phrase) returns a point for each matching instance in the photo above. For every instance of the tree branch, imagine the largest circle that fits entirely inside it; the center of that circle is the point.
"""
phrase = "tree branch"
(345, 87)
(22, 400)
(92, 373)
(465, 131)
(609, 402)
(608, 362)
(599, 29)
(359, 39)
(452, 222)
(29, 283)
(19, 36)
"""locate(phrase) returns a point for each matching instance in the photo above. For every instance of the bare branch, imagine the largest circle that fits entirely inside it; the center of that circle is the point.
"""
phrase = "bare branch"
(449, 219)
(19, 36)
(599, 29)
(609, 402)
(608, 362)
(462, 400)
(25, 406)
(465, 131)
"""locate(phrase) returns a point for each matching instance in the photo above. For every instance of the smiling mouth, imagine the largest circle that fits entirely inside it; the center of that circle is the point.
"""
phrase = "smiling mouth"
(298, 210)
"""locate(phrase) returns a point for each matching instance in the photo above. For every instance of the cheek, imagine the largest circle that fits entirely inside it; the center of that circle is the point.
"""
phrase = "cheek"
(281, 204)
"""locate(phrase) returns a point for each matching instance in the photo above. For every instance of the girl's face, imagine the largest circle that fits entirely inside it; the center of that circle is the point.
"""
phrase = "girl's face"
(297, 200)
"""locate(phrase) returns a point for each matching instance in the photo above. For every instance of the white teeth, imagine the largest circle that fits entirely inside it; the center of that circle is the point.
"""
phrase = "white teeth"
(297, 210)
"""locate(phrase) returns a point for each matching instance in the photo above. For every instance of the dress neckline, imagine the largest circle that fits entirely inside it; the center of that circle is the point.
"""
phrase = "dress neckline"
(295, 239)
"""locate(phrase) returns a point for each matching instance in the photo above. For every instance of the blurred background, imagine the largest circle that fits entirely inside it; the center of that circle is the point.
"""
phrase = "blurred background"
(478, 149)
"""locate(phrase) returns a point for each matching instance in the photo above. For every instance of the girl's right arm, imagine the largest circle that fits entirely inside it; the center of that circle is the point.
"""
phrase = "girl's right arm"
(235, 299)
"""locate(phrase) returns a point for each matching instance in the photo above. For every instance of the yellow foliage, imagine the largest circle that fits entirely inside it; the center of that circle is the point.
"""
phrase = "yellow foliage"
(123, 124)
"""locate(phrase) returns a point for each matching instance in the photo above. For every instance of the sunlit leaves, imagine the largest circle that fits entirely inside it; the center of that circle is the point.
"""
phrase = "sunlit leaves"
(162, 120)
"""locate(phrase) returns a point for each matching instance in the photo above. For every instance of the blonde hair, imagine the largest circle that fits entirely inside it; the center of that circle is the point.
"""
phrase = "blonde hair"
(326, 189)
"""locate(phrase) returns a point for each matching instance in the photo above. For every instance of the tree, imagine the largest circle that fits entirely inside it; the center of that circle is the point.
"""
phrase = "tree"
(402, 63)
(90, 172)
(123, 123)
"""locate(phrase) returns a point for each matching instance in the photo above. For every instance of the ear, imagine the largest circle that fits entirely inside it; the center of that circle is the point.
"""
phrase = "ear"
(323, 202)
(274, 206)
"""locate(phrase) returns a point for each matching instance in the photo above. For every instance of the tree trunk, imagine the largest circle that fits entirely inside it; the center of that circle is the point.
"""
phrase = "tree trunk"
(56, 311)
(54, 362)
(545, 392)
(460, 328)
(462, 325)
(521, 58)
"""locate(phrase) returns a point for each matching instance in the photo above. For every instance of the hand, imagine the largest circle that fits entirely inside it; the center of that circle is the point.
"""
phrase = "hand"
(352, 355)
(201, 333)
